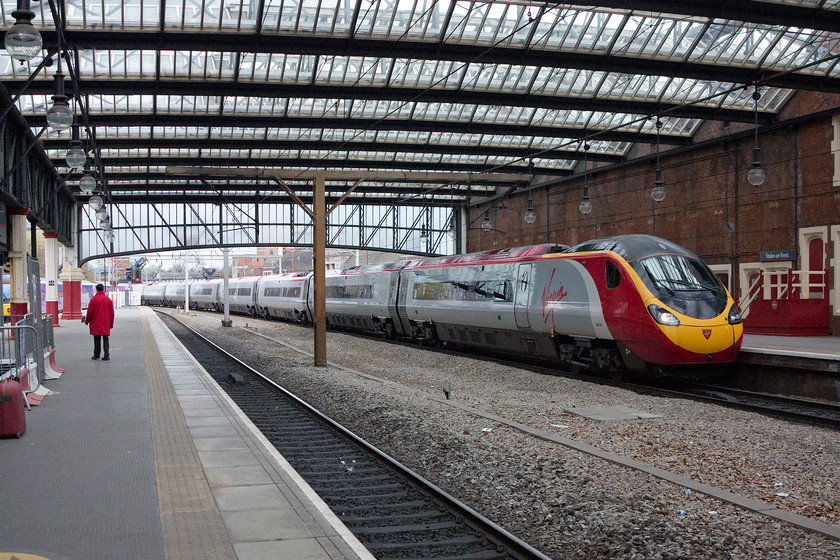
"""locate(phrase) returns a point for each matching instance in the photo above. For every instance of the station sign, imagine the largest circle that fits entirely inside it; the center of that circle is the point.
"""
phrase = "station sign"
(767, 256)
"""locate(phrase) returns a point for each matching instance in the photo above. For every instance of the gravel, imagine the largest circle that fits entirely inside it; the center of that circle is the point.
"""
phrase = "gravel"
(564, 502)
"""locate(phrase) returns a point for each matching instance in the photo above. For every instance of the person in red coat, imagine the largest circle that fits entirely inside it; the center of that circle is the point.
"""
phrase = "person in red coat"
(100, 317)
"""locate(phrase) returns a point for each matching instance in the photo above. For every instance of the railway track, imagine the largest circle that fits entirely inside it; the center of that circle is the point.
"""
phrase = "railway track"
(396, 513)
(790, 408)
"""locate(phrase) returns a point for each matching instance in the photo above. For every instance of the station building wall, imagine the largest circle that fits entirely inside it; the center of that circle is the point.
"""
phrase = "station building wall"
(709, 208)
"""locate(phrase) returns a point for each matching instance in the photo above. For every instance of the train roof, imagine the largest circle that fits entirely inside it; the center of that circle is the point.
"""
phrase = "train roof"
(483, 257)
(631, 247)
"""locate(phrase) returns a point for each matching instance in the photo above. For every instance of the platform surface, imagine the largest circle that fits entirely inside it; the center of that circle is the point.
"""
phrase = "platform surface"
(820, 347)
(143, 457)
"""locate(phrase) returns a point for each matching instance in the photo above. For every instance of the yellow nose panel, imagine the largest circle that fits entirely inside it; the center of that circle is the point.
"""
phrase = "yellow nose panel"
(705, 340)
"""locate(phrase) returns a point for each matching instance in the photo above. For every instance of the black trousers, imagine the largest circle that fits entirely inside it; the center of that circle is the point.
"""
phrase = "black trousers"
(100, 341)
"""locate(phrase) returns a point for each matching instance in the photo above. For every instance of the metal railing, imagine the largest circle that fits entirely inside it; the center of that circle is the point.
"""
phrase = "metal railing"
(22, 350)
(784, 284)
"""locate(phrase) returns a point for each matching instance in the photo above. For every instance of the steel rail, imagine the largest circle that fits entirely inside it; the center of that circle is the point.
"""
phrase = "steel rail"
(501, 538)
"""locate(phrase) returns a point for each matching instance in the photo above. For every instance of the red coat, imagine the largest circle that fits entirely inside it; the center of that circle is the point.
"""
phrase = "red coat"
(100, 314)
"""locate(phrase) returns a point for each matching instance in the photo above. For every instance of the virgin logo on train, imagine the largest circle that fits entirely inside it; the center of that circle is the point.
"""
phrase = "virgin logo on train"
(550, 297)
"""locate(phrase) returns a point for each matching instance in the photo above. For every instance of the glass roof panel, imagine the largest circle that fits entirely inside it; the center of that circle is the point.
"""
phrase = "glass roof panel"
(505, 24)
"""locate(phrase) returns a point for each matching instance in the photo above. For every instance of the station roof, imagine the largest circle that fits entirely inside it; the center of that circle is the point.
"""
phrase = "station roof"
(508, 87)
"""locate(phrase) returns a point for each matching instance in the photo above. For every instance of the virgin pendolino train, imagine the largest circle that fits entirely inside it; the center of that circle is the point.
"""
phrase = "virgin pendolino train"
(631, 302)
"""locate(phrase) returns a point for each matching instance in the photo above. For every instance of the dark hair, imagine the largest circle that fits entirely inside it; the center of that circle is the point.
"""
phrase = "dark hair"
(100, 288)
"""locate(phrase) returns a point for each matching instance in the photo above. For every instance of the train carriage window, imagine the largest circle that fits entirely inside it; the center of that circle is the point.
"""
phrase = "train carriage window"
(334, 292)
(503, 292)
(244, 291)
(613, 276)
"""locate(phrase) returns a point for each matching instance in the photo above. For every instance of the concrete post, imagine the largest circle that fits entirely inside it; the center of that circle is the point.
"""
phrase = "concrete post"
(51, 274)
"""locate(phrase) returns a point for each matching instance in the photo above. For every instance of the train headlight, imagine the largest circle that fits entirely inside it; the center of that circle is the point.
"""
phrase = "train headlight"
(734, 315)
(663, 316)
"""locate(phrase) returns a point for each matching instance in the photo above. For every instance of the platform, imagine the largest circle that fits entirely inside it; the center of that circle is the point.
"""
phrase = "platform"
(821, 347)
(144, 457)
(814, 353)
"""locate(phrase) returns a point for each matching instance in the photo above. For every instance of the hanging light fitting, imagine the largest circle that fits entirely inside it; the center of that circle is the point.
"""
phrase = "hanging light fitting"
(657, 193)
(59, 116)
(585, 206)
(76, 156)
(23, 42)
(486, 224)
(530, 216)
(756, 175)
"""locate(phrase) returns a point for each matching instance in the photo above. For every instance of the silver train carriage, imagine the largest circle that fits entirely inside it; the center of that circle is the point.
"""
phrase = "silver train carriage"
(626, 302)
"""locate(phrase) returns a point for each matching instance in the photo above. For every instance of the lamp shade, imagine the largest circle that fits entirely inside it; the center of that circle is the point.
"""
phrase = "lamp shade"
(756, 176)
(101, 214)
(76, 156)
(585, 207)
(88, 184)
(95, 202)
(657, 193)
(23, 42)
(530, 216)
(59, 116)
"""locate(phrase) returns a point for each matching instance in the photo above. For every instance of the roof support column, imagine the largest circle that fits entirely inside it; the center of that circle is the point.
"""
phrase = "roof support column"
(51, 274)
(319, 243)
(72, 276)
(17, 258)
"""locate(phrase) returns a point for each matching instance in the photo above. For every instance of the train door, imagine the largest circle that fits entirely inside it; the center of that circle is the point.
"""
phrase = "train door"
(394, 290)
(522, 295)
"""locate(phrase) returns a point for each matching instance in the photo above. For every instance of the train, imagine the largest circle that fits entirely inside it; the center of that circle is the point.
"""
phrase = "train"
(636, 303)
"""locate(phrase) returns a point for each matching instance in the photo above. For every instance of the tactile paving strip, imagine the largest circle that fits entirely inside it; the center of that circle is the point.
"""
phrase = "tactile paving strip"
(191, 523)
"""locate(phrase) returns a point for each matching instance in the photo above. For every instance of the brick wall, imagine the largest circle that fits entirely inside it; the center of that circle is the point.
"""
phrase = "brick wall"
(709, 208)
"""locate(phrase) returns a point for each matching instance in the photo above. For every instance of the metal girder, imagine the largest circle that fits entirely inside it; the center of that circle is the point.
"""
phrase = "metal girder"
(398, 124)
(28, 179)
(293, 162)
(404, 200)
(248, 144)
(117, 189)
(347, 174)
(767, 13)
(141, 227)
(180, 87)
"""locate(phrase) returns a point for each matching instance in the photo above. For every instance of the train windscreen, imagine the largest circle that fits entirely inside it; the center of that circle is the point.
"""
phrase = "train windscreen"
(683, 283)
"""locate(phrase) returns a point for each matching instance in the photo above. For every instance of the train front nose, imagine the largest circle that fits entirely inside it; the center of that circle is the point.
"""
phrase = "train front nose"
(711, 342)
